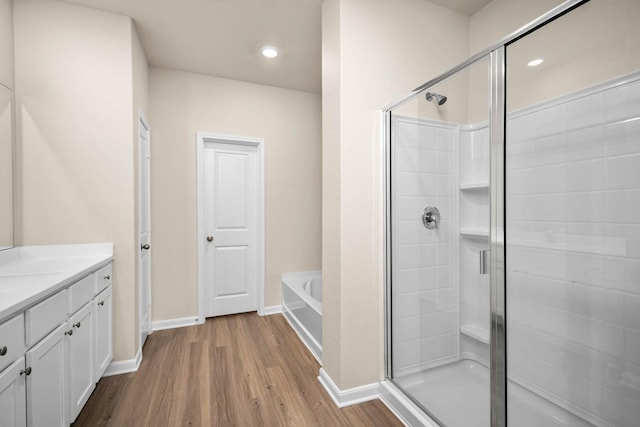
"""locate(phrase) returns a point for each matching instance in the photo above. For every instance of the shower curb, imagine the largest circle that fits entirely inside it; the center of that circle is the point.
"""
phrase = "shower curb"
(403, 408)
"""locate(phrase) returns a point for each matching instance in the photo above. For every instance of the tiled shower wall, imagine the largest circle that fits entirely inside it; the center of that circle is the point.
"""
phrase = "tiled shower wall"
(423, 297)
(573, 252)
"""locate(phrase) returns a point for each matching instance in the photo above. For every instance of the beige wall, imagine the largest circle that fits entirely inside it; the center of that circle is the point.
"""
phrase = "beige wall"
(6, 43)
(6, 112)
(500, 18)
(594, 43)
(383, 51)
(75, 162)
(598, 41)
(331, 167)
(493, 22)
(289, 121)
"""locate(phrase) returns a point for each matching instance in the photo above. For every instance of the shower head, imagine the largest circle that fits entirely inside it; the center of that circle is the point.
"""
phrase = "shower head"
(439, 99)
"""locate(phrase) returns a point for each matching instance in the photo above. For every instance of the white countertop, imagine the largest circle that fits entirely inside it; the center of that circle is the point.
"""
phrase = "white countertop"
(29, 274)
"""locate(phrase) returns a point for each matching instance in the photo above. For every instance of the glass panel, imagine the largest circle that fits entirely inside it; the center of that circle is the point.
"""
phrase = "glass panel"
(439, 300)
(573, 220)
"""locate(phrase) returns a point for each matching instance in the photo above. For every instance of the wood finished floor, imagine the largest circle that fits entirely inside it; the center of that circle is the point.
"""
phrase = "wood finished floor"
(238, 370)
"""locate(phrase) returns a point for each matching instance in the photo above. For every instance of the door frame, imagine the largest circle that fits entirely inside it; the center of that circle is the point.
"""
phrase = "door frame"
(142, 121)
(202, 138)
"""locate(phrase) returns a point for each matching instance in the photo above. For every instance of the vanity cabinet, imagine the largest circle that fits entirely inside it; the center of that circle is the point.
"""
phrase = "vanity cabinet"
(80, 357)
(13, 405)
(12, 372)
(45, 317)
(103, 278)
(46, 382)
(53, 353)
(11, 340)
(103, 332)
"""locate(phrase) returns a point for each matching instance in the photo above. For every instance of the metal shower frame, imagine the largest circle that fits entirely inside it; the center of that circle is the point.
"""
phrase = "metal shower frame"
(497, 121)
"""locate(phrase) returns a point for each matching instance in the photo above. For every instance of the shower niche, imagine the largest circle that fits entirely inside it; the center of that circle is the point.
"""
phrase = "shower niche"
(473, 231)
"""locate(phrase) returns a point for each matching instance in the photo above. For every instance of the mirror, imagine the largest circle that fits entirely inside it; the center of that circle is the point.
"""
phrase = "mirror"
(6, 169)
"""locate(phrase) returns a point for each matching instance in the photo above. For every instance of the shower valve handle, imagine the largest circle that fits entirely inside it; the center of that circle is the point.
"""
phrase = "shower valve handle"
(430, 217)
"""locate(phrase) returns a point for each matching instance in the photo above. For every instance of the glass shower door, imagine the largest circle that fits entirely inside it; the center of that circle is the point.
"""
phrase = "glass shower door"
(439, 158)
(573, 220)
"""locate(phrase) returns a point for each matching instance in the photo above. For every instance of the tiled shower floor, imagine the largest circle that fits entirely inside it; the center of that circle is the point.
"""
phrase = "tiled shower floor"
(457, 394)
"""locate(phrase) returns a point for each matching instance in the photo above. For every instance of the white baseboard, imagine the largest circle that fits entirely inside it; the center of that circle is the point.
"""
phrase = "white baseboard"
(350, 396)
(272, 309)
(124, 366)
(160, 325)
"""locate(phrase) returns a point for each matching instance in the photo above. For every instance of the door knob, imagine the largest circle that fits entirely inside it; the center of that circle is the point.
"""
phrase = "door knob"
(146, 246)
(209, 238)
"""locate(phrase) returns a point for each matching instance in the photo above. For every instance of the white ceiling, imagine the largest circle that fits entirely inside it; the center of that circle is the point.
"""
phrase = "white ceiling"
(468, 7)
(223, 37)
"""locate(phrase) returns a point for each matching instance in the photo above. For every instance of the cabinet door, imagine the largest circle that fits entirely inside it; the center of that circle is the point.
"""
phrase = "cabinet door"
(11, 341)
(13, 408)
(103, 336)
(80, 358)
(46, 384)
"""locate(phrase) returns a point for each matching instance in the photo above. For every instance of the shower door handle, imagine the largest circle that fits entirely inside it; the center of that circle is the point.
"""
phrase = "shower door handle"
(484, 261)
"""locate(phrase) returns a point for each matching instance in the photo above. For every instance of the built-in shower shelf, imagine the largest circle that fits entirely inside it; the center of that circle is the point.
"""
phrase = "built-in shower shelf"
(474, 186)
(474, 232)
(476, 332)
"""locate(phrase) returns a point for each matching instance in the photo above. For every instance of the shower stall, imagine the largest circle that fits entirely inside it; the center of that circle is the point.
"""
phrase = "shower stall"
(513, 230)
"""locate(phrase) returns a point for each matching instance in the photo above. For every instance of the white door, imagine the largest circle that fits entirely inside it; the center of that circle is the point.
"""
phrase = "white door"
(144, 213)
(230, 226)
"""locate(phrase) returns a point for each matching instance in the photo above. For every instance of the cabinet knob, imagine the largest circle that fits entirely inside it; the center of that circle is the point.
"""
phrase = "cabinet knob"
(76, 325)
(209, 238)
(26, 371)
(107, 277)
(3, 350)
(69, 332)
(101, 303)
(146, 246)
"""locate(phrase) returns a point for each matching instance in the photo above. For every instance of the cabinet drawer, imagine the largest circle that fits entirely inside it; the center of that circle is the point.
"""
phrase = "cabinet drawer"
(45, 317)
(104, 278)
(81, 293)
(11, 340)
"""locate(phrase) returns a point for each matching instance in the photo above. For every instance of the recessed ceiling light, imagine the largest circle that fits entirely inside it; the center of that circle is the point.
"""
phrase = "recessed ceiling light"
(535, 62)
(269, 51)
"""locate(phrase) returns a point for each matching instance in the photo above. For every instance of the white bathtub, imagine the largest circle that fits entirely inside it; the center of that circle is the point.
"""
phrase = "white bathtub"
(302, 307)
